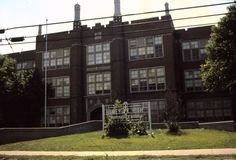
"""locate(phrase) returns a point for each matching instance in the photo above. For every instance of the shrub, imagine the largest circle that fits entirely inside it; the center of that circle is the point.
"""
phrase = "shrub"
(118, 126)
(172, 112)
(173, 127)
(139, 128)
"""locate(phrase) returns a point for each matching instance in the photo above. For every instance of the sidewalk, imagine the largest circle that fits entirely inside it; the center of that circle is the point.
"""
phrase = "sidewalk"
(226, 151)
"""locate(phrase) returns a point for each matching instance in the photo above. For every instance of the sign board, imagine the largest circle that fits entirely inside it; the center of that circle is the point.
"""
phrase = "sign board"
(133, 111)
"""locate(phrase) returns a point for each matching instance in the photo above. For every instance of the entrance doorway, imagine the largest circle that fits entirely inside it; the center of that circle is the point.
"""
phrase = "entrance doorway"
(96, 114)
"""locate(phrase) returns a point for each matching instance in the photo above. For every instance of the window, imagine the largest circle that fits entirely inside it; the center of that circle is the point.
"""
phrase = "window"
(106, 57)
(99, 83)
(193, 82)
(145, 47)
(98, 35)
(25, 65)
(209, 108)
(194, 50)
(147, 79)
(157, 110)
(58, 115)
(57, 59)
(60, 86)
(98, 54)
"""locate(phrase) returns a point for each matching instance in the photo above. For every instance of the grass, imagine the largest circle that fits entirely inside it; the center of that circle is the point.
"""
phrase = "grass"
(208, 157)
(190, 139)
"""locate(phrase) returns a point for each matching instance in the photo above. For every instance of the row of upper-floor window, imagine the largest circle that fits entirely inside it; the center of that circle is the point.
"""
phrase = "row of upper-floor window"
(143, 80)
(140, 80)
(138, 49)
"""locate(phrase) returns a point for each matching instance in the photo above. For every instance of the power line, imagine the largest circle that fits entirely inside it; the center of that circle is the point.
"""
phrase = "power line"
(156, 21)
(139, 23)
(169, 20)
(184, 8)
(129, 32)
(125, 15)
(9, 44)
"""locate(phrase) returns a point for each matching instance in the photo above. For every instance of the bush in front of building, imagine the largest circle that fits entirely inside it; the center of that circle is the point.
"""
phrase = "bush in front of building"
(172, 112)
(118, 126)
(139, 128)
(173, 127)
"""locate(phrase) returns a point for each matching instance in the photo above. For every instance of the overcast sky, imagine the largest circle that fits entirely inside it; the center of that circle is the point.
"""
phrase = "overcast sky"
(27, 12)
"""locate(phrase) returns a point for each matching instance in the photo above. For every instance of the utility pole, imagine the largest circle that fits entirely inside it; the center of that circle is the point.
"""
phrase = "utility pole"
(45, 76)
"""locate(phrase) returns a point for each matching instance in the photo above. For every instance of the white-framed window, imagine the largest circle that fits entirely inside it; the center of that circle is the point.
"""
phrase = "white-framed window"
(60, 87)
(58, 115)
(193, 82)
(147, 79)
(98, 53)
(194, 50)
(56, 59)
(145, 47)
(98, 83)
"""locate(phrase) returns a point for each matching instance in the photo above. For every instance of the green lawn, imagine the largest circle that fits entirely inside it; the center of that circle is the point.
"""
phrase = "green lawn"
(222, 157)
(190, 139)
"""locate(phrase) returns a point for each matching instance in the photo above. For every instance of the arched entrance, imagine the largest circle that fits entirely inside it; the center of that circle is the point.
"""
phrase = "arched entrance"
(96, 114)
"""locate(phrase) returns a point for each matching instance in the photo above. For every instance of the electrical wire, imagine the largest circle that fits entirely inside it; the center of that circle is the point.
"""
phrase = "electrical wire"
(125, 15)
(124, 24)
(9, 44)
(156, 21)
(128, 32)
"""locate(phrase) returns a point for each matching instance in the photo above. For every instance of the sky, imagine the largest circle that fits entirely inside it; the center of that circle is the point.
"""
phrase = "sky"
(15, 13)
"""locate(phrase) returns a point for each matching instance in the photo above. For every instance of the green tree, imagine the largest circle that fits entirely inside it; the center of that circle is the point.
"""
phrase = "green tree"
(219, 70)
(7, 76)
(33, 98)
(21, 95)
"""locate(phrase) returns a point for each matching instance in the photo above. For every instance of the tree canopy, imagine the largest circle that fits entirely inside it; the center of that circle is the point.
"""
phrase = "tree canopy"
(219, 70)
(21, 95)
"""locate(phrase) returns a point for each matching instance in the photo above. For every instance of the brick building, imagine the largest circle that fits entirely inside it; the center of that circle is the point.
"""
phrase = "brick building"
(133, 61)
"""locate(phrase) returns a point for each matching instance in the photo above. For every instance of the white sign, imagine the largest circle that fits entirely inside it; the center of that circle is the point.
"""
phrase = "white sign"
(133, 111)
